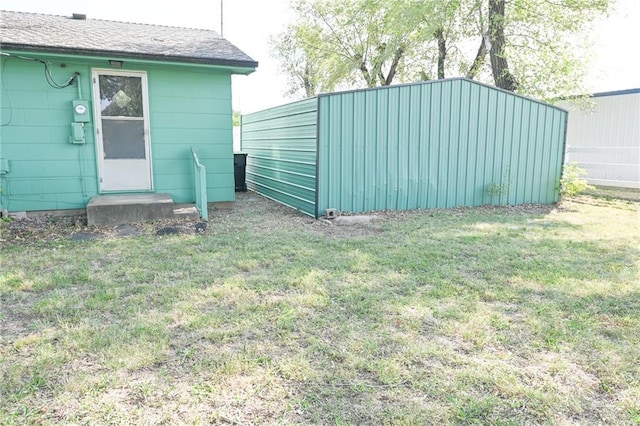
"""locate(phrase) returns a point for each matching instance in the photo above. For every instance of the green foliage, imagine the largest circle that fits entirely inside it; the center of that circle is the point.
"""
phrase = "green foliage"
(237, 118)
(336, 44)
(497, 189)
(572, 182)
(357, 43)
(501, 189)
(302, 64)
(548, 58)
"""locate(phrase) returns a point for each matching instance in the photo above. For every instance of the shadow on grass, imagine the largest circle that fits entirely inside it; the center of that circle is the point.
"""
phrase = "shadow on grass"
(480, 294)
(466, 315)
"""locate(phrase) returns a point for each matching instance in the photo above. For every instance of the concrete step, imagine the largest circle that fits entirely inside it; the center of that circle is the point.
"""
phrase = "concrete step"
(119, 209)
(186, 212)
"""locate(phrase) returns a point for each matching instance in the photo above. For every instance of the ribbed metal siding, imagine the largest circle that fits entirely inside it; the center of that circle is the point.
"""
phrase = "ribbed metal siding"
(281, 146)
(436, 144)
(606, 140)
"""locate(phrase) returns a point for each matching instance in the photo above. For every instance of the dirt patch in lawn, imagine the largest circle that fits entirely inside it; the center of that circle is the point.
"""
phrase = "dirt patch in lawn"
(250, 210)
(58, 228)
(260, 214)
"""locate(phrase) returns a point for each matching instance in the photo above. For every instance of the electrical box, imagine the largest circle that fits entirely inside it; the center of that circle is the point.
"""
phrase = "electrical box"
(81, 111)
(77, 133)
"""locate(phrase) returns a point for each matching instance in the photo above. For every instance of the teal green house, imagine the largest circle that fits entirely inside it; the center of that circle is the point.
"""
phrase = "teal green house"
(95, 107)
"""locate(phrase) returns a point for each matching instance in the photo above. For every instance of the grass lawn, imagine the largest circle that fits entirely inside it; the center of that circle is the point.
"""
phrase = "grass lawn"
(495, 315)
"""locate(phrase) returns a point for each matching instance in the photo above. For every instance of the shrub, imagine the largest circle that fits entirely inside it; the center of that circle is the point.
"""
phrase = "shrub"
(572, 182)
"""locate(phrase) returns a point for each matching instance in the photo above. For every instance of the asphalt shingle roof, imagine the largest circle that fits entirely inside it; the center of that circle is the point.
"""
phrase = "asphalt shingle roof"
(95, 37)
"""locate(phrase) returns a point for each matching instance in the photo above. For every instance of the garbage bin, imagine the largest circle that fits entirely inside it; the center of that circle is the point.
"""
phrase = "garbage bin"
(240, 170)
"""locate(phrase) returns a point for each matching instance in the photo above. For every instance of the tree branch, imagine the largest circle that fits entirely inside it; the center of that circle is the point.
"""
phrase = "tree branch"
(394, 66)
(442, 52)
(478, 61)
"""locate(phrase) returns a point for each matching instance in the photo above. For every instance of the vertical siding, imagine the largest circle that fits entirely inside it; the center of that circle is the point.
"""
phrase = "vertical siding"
(188, 107)
(605, 141)
(436, 144)
(281, 147)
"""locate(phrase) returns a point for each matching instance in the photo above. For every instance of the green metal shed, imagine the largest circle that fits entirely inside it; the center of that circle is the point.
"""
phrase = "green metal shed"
(444, 143)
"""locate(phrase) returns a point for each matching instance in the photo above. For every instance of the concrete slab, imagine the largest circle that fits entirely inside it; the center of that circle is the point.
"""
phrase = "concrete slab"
(110, 210)
(186, 212)
(128, 199)
(18, 215)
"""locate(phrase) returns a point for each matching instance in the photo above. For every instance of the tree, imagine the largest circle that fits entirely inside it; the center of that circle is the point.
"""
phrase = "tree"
(545, 44)
(300, 62)
(532, 45)
(349, 43)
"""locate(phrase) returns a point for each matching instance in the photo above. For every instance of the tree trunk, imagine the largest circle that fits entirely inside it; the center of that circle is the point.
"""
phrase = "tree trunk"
(368, 77)
(501, 74)
(394, 66)
(478, 61)
(442, 52)
(375, 75)
(307, 81)
(376, 65)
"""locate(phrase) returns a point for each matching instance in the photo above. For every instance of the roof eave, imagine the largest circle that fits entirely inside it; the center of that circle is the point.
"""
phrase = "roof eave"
(246, 66)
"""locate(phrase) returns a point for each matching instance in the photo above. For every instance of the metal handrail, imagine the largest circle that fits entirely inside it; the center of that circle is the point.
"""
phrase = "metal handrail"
(200, 180)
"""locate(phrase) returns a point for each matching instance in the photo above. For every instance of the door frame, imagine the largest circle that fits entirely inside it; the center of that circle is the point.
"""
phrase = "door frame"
(95, 73)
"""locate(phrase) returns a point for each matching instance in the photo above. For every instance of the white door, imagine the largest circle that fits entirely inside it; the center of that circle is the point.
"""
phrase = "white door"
(122, 130)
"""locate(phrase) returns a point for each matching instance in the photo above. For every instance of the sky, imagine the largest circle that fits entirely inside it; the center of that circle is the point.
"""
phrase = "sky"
(250, 23)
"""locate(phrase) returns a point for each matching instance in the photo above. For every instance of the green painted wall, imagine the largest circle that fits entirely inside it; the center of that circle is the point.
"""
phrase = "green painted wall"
(281, 147)
(191, 108)
(188, 106)
(436, 144)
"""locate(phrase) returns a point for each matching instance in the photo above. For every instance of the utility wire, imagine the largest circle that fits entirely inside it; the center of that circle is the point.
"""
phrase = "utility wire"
(47, 71)
(47, 74)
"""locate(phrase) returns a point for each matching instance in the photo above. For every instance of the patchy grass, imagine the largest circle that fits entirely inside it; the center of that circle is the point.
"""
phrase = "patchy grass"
(497, 315)
(612, 193)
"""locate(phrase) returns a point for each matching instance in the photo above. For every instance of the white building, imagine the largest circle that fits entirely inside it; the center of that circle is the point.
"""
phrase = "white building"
(605, 141)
